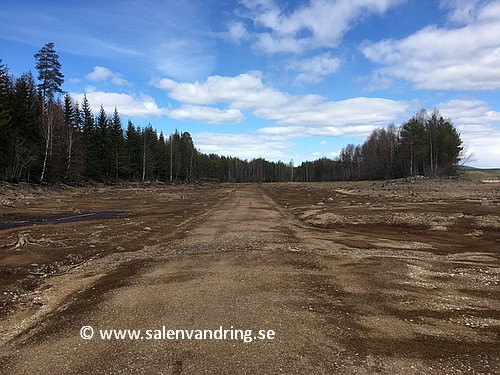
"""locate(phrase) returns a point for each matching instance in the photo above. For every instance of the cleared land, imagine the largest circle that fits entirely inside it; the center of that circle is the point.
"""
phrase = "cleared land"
(394, 277)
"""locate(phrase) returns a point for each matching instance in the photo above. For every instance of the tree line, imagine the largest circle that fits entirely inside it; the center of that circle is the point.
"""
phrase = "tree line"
(47, 136)
(425, 145)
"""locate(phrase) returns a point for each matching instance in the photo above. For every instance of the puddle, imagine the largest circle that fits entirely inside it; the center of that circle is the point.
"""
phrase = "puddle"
(13, 222)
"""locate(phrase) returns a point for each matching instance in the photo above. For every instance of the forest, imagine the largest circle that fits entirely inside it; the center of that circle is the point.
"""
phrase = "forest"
(47, 136)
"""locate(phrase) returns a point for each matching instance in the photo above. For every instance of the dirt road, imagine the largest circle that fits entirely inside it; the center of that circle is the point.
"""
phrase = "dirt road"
(248, 263)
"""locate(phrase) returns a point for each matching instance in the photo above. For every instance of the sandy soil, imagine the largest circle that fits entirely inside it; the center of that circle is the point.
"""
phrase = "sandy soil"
(372, 277)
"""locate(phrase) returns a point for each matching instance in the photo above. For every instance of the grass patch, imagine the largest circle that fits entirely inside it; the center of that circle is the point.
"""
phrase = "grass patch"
(481, 174)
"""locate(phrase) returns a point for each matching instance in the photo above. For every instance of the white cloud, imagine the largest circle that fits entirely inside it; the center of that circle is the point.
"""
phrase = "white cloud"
(479, 127)
(99, 74)
(315, 68)
(244, 146)
(127, 105)
(294, 132)
(208, 115)
(320, 23)
(102, 74)
(354, 112)
(183, 58)
(461, 11)
(464, 58)
(74, 80)
(237, 31)
(307, 115)
(243, 91)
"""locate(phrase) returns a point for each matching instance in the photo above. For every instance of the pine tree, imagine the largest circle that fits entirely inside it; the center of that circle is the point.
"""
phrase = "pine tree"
(49, 71)
(51, 79)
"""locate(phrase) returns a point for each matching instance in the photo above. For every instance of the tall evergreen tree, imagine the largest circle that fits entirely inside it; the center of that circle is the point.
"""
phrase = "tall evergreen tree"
(72, 122)
(186, 155)
(116, 144)
(102, 144)
(51, 79)
(133, 152)
(414, 145)
(49, 71)
(25, 149)
(90, 142)
(5, 117)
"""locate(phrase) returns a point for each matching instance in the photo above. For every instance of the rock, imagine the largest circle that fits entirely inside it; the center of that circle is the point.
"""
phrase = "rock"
(147, 228)
(7, 203)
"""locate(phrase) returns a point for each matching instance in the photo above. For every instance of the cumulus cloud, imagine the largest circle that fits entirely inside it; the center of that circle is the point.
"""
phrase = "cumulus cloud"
(305, 115)
(314, 69)
(433, 58)
(102, 74)
(461, 11)
(293, 132)
(320, 23)
(208, 115)
(349, 113)
(127, 105)
(479, 127)
(243, 91)
(237, 31)
(244, 146)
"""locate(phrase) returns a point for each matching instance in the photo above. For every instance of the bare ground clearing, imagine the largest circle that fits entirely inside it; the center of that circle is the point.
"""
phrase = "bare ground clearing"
(391, 277)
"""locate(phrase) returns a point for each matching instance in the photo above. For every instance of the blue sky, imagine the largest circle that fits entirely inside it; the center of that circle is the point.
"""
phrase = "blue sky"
(276, 79)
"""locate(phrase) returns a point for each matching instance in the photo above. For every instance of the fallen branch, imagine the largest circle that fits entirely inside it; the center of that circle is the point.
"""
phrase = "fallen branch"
(57, 273)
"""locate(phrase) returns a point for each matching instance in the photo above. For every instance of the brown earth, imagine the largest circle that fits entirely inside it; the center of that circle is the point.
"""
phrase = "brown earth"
(370, 277)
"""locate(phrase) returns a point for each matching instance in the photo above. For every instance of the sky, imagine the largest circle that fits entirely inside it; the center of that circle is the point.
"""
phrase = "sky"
(284, 80)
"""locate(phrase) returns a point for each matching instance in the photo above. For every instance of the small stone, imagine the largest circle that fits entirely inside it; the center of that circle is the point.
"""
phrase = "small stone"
(7, 203)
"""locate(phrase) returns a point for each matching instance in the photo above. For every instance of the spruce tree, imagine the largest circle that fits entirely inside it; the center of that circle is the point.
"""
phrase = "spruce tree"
(90, 141)
(116, 143)
(5, 117)
(71, 126)
(26, 147)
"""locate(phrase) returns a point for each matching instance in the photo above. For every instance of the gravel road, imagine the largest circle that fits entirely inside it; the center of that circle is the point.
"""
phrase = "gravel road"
(313, 305)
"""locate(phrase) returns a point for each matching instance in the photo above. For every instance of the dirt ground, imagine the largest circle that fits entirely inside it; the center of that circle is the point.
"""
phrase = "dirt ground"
(356, 278)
